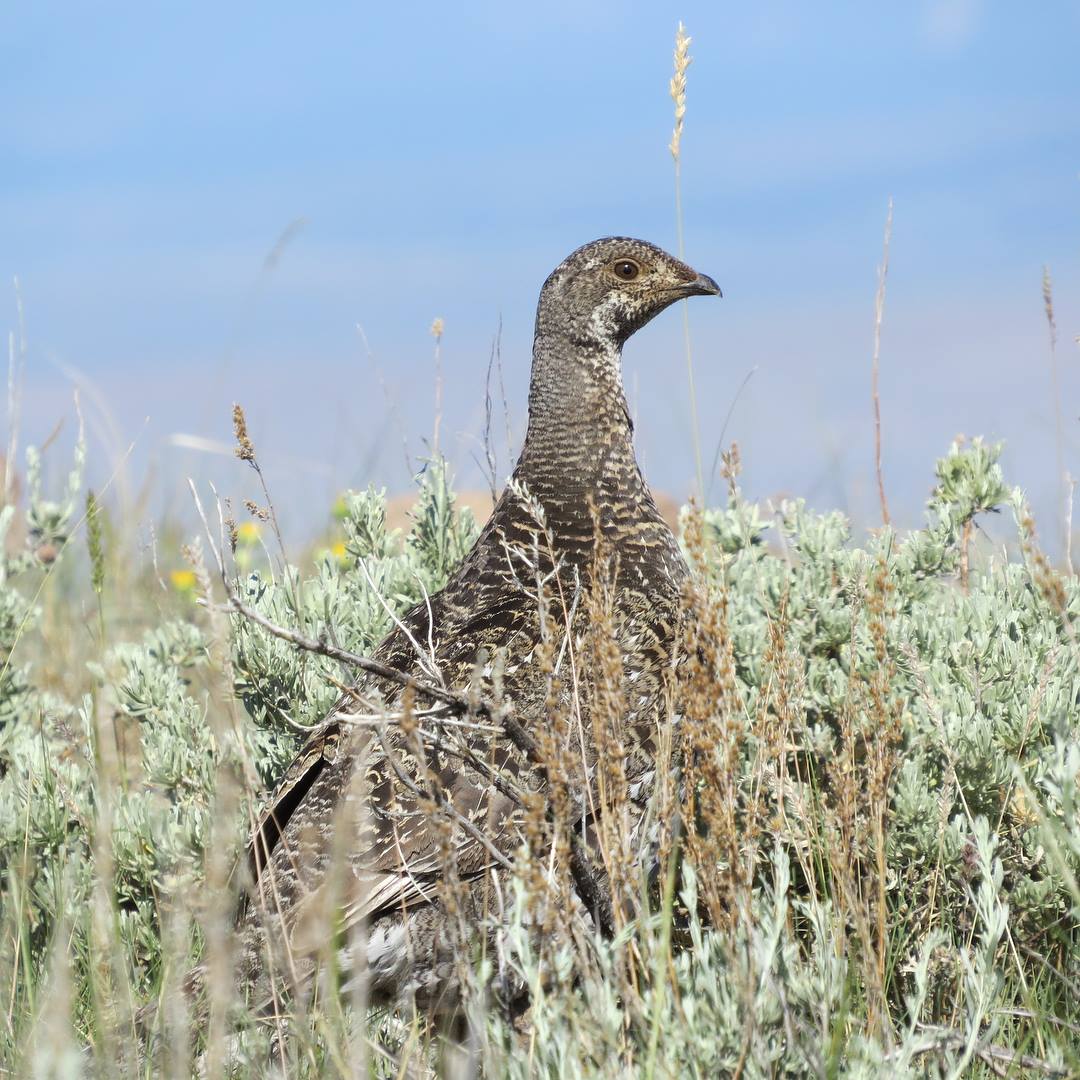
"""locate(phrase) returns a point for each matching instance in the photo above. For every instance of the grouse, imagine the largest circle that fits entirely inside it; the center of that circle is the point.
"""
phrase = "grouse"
(354, 797)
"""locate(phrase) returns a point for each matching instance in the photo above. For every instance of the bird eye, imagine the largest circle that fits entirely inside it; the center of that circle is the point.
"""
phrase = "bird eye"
(626, 269)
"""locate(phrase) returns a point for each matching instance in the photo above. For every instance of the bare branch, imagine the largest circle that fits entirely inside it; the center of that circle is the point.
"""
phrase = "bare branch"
(586, 879)
(941, 1039)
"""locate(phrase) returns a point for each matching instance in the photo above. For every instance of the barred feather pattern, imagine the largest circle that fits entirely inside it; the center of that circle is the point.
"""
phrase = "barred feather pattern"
(350, 838)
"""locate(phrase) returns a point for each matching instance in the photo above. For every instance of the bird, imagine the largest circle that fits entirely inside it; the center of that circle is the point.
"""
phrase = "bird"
(354, 797)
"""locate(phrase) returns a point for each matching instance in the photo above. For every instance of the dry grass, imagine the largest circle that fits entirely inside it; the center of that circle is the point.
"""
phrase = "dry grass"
(765, 887)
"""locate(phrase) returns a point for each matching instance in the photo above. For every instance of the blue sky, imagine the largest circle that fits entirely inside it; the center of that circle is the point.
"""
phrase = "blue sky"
(203, 204)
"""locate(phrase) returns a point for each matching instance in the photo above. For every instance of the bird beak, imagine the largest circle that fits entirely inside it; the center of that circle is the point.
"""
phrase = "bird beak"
(702, 285)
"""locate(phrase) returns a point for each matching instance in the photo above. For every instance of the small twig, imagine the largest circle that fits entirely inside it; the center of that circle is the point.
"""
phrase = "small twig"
(965, 554)
(389, 399)
(361, 663)
(430, 627)
(1025, 1061)
(438, 716)
(1070, 490)
(437, 333)
(1028, 1014)
(245, 451)
(991, 1054)
(1055, 382)
(16, 366)
(214, 550)
(489, 444)
(593, 895)
(443, 804)
(432, 673)
(464, 753)
(723, 431)
(502, 391)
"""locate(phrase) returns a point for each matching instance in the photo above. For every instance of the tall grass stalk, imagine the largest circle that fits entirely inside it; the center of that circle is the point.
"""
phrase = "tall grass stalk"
(836, 909)
(437, 327)
(1060, 478)
(16, 365)
(879, 314)
(677, 90)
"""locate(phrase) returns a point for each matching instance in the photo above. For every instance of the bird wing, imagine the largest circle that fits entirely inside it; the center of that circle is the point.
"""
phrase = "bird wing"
(401, 861)
(390, 849)
(319, 752)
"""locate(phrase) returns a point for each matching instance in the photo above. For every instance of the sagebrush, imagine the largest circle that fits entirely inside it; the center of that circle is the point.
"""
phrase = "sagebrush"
(878, 772)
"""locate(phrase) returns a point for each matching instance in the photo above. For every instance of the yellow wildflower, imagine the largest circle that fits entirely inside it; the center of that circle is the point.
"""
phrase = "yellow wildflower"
(248, 534)
(183, 581)
(340, 554)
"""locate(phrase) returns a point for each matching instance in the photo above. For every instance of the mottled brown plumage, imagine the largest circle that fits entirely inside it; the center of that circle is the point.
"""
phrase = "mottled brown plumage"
(577, 472)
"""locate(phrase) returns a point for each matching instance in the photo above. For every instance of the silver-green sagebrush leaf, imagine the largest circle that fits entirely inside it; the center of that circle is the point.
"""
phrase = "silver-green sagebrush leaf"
(982, 846)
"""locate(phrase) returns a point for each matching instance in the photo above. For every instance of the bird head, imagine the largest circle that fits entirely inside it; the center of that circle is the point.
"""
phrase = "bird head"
(610, 288)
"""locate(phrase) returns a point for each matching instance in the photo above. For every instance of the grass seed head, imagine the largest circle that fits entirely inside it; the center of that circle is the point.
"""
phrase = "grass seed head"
(245, 450)
(95, 542)
(677, 87)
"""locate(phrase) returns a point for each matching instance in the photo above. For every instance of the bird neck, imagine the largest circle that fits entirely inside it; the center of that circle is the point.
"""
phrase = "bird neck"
(579, 448)
(578, 461)
(580, 432)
